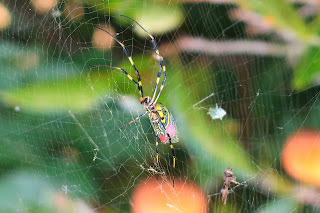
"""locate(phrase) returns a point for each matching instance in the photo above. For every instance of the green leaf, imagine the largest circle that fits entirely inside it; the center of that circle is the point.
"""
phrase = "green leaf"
(307, 71)
(32, 192)
(281, 206)
(79, 94)
(156, 17)
(21, 189)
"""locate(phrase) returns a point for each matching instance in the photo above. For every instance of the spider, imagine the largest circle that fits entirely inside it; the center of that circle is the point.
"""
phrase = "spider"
(161, 119)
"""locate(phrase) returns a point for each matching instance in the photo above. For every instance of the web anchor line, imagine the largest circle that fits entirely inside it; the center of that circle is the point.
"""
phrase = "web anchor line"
(90, 139)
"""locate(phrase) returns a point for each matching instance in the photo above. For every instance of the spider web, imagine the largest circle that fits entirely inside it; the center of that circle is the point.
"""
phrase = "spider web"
(60, 117)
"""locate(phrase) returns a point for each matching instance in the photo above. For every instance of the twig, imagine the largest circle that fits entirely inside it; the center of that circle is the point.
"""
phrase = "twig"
(311, 2)
(240, 47)
(201, 102)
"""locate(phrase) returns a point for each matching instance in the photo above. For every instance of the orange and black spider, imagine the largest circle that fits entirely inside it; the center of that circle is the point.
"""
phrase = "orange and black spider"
(161, 119)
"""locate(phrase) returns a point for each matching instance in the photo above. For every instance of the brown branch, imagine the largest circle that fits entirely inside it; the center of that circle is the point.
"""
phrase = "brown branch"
(310, 2)
(218, 48)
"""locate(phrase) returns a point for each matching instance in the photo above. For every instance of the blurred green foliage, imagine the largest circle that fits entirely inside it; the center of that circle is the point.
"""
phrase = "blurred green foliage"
(282, 16)
(60, 116)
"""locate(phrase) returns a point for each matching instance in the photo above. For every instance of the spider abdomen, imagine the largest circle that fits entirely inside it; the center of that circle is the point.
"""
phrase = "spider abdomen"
(162, 121)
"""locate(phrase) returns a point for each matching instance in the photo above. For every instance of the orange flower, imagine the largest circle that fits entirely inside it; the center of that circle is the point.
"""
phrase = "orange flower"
(301, 156)
(157, 196)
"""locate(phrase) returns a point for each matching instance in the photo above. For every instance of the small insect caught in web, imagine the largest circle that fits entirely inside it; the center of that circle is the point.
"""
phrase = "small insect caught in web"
(152, 170)
(228, 187)
(228, 179)
(215, 112)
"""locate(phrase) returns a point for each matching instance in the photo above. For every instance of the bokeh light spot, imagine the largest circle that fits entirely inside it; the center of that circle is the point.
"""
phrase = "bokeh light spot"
(5, 20)
(301, 156)
(43, 6)
(102, 40)
(157, 196)
(74, 11)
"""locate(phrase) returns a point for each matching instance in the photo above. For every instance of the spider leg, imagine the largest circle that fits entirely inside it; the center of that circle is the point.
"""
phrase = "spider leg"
(118, 68)
(159, 59)
(157, 148)
(172, 150)
(157, 83)
(137, 118)
(163, 82)
(130, 59)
